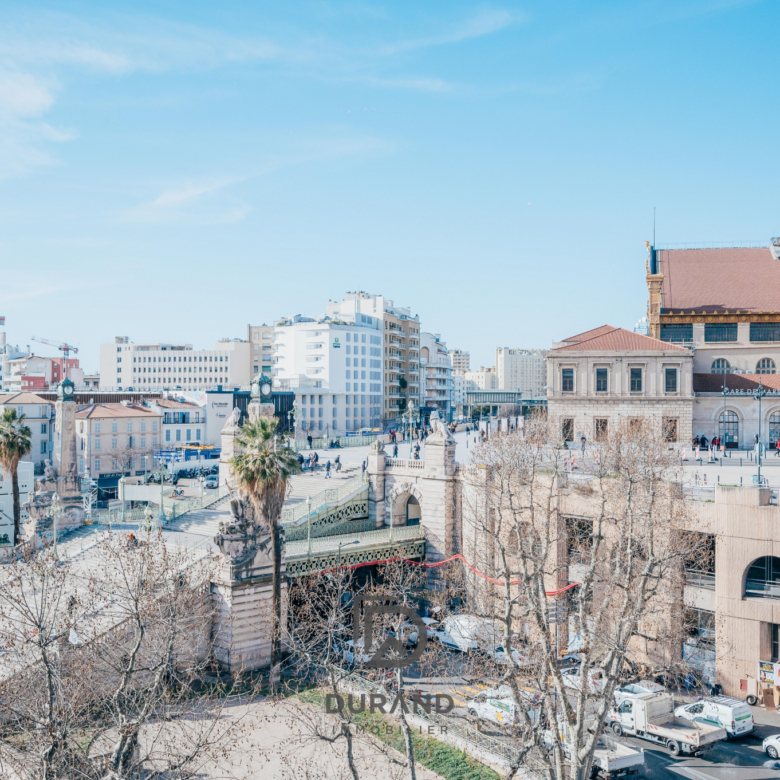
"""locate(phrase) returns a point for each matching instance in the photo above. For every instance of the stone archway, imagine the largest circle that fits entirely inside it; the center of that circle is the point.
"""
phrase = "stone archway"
(404, 504)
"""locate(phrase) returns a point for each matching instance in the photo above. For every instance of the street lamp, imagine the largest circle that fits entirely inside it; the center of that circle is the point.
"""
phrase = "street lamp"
(308, 526)
(345, 544)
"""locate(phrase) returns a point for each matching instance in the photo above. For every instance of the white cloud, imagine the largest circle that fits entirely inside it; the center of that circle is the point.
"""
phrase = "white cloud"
(484, 23)
(204, 203)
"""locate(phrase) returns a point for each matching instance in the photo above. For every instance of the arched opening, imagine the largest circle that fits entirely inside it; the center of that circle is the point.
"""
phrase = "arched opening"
(721, 366)
(766, 366)
(728, 429)
(763, 578)
(413, 513)
(774, 430)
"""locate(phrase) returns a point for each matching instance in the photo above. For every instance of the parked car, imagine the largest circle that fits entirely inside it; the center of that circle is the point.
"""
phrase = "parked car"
(633, 690)
(731, 714)
(211, 482)
(572, 678)
(771, 746)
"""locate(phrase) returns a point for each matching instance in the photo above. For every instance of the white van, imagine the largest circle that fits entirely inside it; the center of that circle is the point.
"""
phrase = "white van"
(731, 714)
(502, 711)
(461, 632)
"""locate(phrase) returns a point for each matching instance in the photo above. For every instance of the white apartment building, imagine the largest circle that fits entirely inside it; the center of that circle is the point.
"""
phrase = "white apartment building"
(24, 473)
(261, 340)
(8, 352)
(38, 418)
(461, 361)
(160, 366)
(521, 370)
(458, 393)
(183, 422)
(435, 363)
(484, 379)
(335, 370)
(402, 378)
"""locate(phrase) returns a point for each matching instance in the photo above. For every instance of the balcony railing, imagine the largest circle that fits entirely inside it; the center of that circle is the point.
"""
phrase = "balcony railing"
(762, 589)
(700, 579)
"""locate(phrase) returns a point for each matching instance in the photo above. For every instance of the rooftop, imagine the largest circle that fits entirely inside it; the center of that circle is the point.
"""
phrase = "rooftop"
(730, 280)
(169, 403)
(22, 398)
(610, 339)
(96, 411)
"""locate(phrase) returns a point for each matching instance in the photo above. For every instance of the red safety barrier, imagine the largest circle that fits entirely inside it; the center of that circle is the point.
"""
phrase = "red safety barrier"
(457, 557)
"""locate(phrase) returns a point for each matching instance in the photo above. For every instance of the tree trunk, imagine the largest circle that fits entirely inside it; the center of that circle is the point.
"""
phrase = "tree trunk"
(276, 603)
(17, 505)
(407, 731)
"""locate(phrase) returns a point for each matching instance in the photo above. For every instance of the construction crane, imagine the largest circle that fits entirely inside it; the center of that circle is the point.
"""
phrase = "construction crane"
(66, 349)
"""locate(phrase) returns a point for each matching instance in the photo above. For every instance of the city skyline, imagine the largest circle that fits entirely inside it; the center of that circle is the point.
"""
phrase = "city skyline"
(451, 160)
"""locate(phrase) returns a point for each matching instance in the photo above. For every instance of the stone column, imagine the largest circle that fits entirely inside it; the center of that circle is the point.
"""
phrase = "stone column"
(377, 462)
(438, 499)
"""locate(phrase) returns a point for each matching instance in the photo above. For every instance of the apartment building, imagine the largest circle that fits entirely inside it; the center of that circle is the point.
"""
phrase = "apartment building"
(183, 422)
(334, 367)
(435, 366)
(8, 352)
(402, 384)
(116, 440)
(461, 361)
(38, 414)
(261, 349)
(521, 370)
(484, 379)
(159, 366)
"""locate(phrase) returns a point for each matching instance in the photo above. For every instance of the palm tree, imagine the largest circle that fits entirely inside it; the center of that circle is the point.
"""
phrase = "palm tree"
(262, 469)
(15, 443)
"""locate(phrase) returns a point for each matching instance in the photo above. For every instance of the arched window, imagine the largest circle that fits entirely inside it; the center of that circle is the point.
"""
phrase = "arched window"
(720, 366)
(728, 429)
(413, 513)
(763, 578)
(766, 366)
(774, 429)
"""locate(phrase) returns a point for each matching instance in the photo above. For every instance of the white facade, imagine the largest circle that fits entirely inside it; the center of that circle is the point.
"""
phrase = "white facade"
(435, 363)
(484, 379)
(183, 422)
(8, 352)
(335, 371)
(24, 473)
(461, 361)
(261, 349)
(403, 380)
(38, 417)
(521, 370)
(160, 366)
(458, 393)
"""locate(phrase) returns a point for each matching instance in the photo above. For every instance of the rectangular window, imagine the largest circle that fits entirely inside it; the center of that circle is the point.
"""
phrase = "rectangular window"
(168, 434)
(43, 427)
(677, 334)
(189, 434)
(97, 464)
(43, 447)
(129, 426)
(197, 434)
(636, 380)
(178, 434)
(97, 426)
(567, 380)
(113, 442)
(765, 331)
(97, 443)
(154, 426)
(143, 442)
(143, 426)
(775, 643)
(567, 429)
(670, 380)
(601, 380)
(154, 442)
(670, 429)
(600, 428)
(719, 332)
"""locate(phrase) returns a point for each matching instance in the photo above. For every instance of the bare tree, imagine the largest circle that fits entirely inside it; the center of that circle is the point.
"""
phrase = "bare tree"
(107, 670)
(629, 545)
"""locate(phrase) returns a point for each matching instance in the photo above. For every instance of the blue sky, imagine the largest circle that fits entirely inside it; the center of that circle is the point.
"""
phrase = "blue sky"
(177, 170)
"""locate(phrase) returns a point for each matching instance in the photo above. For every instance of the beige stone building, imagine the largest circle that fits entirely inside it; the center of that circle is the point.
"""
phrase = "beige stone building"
(599, 377)
(261, 350)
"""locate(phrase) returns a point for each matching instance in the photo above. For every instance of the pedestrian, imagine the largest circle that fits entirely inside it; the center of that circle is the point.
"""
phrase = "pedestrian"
(316, 459)
(338, 463)
(582, 441)
(364, 467)
(300, 461)
(777, 448)
(416, 455)
(308, 438)
(703, 442)
(327, 470)
(395, 450)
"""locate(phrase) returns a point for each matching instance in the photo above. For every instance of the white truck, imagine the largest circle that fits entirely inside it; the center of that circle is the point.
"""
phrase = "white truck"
(611, 759)
(651, 717)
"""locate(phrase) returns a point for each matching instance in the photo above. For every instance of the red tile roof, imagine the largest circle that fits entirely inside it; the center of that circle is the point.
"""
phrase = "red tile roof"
(609, 339)
(720, 280)
(589, 334)
(168, 403)
(22, 398)
(713, 383)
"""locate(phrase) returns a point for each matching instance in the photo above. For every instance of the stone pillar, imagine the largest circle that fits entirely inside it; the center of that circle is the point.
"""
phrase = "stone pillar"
(438, 510)
(229, 446)
(65, 452)
(377, 462)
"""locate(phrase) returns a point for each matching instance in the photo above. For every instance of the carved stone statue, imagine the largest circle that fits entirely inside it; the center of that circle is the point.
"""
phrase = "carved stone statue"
(233, 420)
(48, 471)
(244, 535)
(440, 431)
